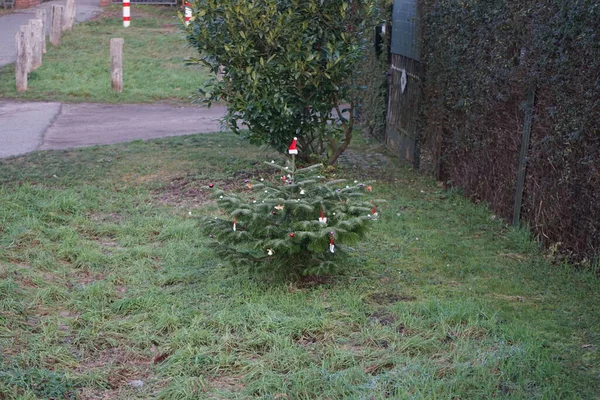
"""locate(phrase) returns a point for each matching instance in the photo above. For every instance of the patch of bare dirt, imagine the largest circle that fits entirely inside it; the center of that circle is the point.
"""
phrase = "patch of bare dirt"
(355, 348)
(17, 272)
(308, 339)
(108, 245)
(443, 363)
(86, 277)
(382, 317)
(124, 367)
(184, 192)
(190, 192)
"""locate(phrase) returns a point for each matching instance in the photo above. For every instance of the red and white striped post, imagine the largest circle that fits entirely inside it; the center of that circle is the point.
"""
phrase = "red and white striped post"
(188, 13)
(126, 13)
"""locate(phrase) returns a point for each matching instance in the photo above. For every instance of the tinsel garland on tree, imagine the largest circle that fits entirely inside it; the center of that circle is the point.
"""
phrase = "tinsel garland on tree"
(297, 226)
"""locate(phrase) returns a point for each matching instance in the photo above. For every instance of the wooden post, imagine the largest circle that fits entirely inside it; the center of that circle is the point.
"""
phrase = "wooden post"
(69, 15)
(56, 25)
(36, 42)
(26, 31)
(41, 15)
(21, 65)
(523, 157)
(116, 63)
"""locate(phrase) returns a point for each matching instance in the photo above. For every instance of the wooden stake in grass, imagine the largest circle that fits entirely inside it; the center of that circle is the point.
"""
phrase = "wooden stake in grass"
(37, 35)
(69, 15)
(26, 30)
(116, 63)
(41, 15)
(56, 25)
(21, 65)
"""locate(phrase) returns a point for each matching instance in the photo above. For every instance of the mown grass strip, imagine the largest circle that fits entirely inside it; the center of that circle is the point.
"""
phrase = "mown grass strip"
(105, 280)
(79, 69)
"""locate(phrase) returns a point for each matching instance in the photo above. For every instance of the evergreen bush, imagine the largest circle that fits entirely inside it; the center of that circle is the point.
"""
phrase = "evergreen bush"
(289, 67)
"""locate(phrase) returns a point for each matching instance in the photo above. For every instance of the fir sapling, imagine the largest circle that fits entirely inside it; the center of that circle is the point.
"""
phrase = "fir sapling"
(297, 225)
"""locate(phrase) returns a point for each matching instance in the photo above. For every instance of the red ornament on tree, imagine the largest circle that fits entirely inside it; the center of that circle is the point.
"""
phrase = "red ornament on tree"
(293, 149)
(322, 218)
(292, 235)
(210, 185)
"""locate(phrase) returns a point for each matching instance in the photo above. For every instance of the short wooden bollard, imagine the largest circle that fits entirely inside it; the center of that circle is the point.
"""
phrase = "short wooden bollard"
(116, 63)
(69, 15)
(37, 35)
(26, 31)
(56, 25)
(41, 15)
(21, 65)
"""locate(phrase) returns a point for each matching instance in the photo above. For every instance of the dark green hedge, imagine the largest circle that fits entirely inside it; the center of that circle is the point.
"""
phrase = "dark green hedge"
(480, 59)
(372, 76)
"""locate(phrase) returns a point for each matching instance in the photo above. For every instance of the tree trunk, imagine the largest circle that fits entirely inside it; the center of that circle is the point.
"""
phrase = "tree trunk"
(348, 126)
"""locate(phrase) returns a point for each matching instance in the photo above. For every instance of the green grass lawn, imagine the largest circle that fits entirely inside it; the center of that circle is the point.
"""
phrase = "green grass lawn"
(79, 69)
(105, 280)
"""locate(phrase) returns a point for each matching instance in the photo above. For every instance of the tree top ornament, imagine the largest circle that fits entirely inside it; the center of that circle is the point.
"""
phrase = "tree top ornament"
(293, 149)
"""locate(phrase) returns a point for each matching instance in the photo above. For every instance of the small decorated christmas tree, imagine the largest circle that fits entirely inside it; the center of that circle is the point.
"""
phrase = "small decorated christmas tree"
(296, 226)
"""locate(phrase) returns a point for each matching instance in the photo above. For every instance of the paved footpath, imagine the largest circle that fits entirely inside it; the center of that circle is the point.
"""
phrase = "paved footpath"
(27, 127)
